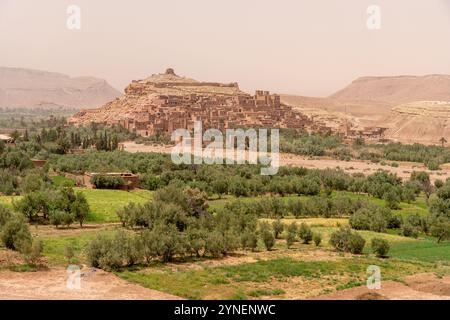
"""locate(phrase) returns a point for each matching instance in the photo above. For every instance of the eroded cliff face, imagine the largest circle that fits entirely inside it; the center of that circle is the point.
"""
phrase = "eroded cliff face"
(422, 122)
(25, 88)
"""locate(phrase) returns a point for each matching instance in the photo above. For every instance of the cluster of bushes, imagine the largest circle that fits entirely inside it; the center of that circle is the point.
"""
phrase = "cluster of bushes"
(57, 138)
(58, 207)
(107, 182)
(157, 171)
(15, 235)
(304, 233)
(374, 218)
(303, 143)
(18, 174)
(430, 155)
(346, 240)
(175, 223)
(319, 206)
(438, 220)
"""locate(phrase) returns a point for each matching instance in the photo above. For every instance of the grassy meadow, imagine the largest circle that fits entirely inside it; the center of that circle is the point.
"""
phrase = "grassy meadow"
(300, 272)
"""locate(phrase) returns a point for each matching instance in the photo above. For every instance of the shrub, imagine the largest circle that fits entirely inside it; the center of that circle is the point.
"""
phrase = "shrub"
(356, 243)
(433, 165)
(277, 227)
(345, 240)
(305, 233)
(267, 236)
(291, 233)
(249, 240)
(79, 208)
(339, 239)
(408, 230)
(317, 238)
(361, 219)
(151, 182)
(440, 228)
(15, 233)
(392, 199)
(32, 251)
(371, 218)
(107, 182)
(58, 218)
(395, 222)
(380, 247)
(69, 253)
(170, 242)
(5, 215)
(113, 252)
(214, 244)
(438, 183)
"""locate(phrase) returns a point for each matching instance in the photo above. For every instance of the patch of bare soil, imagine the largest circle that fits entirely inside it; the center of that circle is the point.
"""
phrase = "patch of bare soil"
(428, 282)
(74, 230)
(299, 287)
(51, 284)
(417, 287)
(303, 254)
(9, 258)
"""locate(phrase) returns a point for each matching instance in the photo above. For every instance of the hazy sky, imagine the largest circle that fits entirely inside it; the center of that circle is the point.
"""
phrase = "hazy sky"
(308, 47)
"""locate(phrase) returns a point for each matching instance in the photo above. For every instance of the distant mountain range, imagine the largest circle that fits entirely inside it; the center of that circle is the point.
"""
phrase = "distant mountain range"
(414, 108)
(384, 102)
(26, 88)
(396, 90)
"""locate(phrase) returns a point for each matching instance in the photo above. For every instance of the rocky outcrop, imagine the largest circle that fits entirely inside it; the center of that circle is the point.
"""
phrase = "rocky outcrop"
(422, 122)
(25, 88)
(164, 102)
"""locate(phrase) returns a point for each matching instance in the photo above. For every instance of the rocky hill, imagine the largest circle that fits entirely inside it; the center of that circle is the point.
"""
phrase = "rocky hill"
(396, 90)
(25, 88)
(369, 102)
(423, 122)
(164, 102)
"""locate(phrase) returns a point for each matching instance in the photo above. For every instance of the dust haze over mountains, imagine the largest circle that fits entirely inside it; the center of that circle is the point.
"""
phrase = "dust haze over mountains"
(301, 47)
(25, 88)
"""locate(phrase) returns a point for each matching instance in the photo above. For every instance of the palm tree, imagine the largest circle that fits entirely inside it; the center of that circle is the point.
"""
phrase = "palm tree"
(443, 141)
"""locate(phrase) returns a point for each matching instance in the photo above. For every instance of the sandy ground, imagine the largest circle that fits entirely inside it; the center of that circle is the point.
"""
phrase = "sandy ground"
(403, 170)
(51, 284)
(424, 286)
(297, 251)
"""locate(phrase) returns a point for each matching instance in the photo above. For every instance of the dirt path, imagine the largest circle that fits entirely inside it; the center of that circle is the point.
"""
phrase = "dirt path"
(52, 285)
(424, 286)
(354, 166)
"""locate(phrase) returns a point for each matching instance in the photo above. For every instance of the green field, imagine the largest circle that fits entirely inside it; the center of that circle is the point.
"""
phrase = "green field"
(55, 244)
(105, 203)
(275, 277)
(270, 276)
